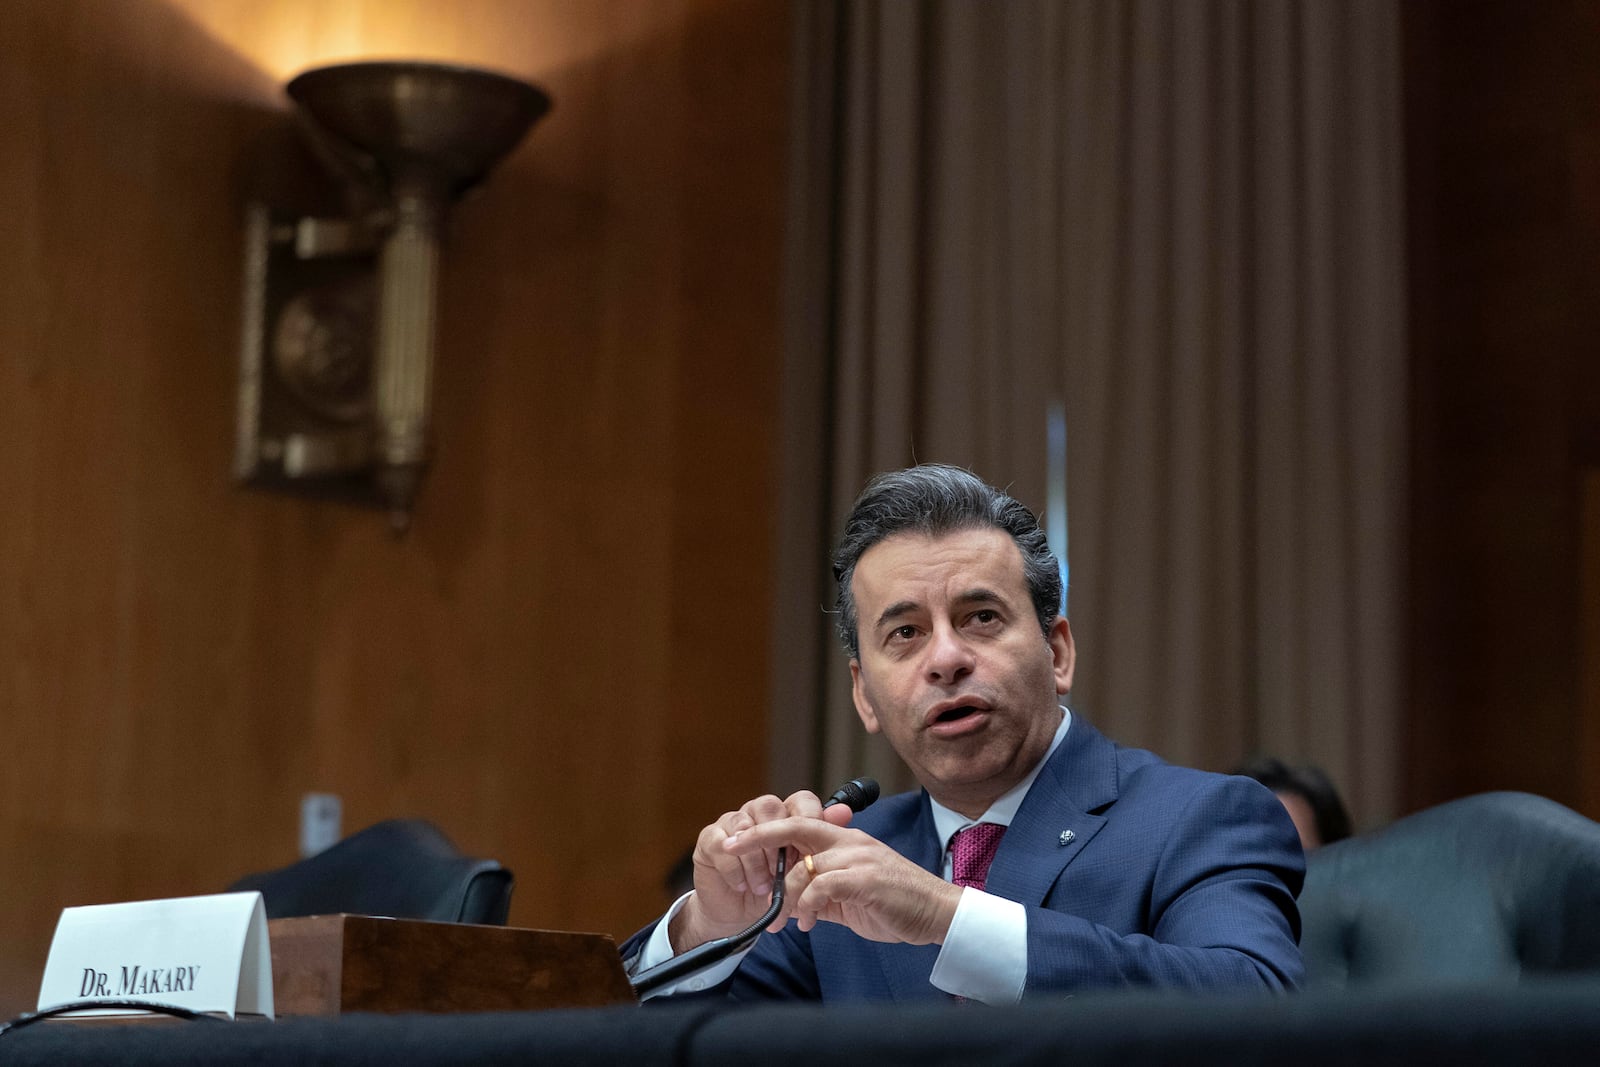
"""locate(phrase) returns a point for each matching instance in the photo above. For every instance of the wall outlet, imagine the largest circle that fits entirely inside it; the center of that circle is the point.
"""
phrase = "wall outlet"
(320, 814)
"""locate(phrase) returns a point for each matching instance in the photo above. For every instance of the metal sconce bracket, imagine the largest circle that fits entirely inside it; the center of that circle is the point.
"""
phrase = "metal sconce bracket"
(305, 363)
(336, 353)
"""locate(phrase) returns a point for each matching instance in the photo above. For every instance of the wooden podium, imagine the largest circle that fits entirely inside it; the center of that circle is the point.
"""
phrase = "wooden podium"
(331, 964)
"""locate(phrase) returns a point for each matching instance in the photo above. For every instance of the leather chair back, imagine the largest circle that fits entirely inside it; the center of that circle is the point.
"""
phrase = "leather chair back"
(1489, 887)
(401, 868)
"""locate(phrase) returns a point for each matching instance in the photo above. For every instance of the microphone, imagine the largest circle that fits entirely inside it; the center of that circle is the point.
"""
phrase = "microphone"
(855, 794)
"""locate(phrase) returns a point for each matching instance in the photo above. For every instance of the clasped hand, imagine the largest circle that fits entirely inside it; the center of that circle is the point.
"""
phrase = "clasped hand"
(853, 879)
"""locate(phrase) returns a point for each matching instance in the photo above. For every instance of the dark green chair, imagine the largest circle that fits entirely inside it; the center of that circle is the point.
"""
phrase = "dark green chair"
(1492, 887)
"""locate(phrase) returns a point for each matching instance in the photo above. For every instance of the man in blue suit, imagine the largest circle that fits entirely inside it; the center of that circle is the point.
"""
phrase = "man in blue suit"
(1039, 857)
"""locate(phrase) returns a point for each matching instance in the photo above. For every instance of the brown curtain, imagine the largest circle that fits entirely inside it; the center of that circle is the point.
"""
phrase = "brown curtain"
(1179, 220)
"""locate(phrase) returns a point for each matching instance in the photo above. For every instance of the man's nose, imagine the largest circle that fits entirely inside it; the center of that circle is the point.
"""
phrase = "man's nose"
(949, 657)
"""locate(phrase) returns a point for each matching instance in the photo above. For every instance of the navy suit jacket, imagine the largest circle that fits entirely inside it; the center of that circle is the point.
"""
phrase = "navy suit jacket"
(1133, 872)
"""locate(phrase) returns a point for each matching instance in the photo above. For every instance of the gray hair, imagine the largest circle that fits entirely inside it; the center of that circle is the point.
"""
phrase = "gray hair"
(935, 499)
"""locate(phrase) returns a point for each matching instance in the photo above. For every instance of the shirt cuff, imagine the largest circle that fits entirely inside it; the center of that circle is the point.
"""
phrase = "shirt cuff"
(985, 953)
(657, 949)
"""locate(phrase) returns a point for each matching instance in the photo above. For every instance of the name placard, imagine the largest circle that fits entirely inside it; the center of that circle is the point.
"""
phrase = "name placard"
(207, 954)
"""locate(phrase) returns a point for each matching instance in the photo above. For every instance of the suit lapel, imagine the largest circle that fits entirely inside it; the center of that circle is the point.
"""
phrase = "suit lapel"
(1054, 823)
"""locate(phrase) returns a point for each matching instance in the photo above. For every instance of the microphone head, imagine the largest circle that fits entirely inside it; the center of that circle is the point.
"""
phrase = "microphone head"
(856, 794)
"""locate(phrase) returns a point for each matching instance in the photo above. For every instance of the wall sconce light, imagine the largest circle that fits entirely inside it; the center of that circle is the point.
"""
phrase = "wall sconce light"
(336, 362)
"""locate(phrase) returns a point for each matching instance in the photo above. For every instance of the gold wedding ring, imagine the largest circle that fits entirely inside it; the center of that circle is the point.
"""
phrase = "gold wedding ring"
(811, 868)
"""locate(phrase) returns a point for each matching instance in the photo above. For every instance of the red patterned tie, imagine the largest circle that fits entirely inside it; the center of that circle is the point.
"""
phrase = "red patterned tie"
(971, 852)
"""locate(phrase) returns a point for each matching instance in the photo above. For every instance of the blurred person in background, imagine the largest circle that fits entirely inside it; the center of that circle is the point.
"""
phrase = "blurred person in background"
(1308, 795)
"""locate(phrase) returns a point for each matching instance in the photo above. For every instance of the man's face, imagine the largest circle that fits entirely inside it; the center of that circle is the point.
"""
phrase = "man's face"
(953, 668)
(1304, 819)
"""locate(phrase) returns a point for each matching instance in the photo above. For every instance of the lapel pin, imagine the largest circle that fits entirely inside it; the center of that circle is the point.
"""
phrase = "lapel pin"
(1067, 837)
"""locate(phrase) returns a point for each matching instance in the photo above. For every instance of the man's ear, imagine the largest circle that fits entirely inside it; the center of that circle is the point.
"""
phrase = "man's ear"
(1062, 653)
(858, 692)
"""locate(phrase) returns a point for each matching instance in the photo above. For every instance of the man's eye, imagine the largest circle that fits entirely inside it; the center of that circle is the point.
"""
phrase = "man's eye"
(985, 616)
(903, 633)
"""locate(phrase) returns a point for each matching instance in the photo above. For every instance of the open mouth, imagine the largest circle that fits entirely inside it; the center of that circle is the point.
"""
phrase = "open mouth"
(956, 719)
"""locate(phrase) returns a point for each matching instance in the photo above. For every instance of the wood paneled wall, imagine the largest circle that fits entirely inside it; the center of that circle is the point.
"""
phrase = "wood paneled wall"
(564, 663)
(1504, 162)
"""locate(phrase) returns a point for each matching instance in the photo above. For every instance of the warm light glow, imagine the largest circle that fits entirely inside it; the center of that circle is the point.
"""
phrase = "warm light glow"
(527, 39)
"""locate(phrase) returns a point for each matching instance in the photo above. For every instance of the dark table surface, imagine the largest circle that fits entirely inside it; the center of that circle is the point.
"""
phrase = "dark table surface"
(1544, 1021)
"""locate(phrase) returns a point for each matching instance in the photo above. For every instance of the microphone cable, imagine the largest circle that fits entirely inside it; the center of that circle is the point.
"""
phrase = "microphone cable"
(72, 1007)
